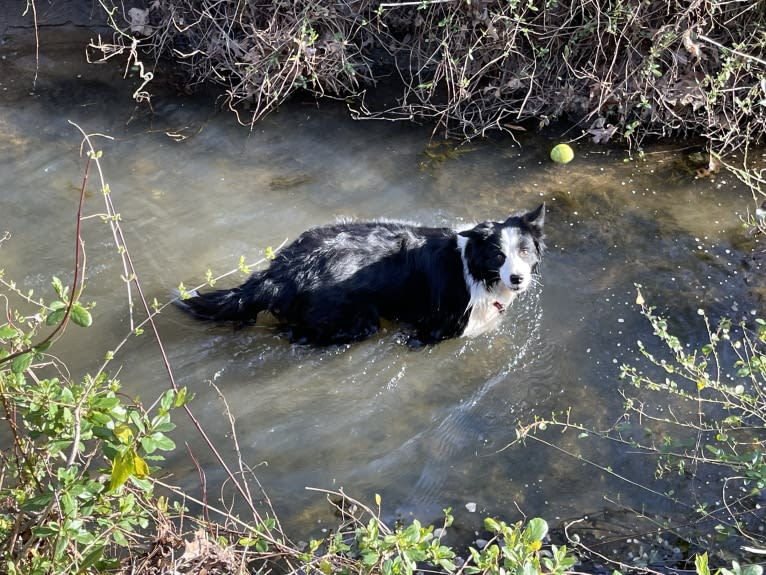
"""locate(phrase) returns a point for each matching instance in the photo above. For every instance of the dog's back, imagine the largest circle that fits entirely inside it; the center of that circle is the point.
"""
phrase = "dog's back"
(334, 283)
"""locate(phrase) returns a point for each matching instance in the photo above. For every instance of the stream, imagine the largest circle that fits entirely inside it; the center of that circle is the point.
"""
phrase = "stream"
(425, 429)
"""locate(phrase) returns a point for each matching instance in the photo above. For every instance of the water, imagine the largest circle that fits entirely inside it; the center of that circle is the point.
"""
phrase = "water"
(425, 429)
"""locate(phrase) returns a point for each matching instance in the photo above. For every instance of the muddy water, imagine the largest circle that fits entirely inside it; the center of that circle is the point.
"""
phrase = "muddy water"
(424, 429)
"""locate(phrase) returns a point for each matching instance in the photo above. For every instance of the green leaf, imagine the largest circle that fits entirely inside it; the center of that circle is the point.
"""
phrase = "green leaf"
(58, 286)
(40, 347)
(701, 564)
(38, 503)
(163, 442)
(167, 400)
(120, 538)
(142, 484)
(135, 418)
(55, 317)
(537, 529)
(370, 558)
(148, 444)
(8, 331)
(107, 402)
(43, 531)
(181, 396)
(81, 316)
(22, 362)
(164, 427)
(529, 569)
(122, 467)
(92, 558)
(492, 525)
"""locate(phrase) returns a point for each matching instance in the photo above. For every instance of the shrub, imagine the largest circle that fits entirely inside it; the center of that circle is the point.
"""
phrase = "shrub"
(627, 68)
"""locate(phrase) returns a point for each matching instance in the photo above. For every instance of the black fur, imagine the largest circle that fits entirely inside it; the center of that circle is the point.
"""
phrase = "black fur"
(334, 283)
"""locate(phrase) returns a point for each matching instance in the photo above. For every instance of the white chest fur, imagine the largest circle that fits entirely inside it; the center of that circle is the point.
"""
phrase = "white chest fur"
(488, 305)
(487, 310)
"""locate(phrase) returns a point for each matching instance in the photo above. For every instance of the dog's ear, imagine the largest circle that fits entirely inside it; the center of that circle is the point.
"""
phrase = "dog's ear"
(480, 232)
(535, 218)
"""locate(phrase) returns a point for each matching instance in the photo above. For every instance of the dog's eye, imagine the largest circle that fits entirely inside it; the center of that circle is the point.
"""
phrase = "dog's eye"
(523, 252)
(498, 259)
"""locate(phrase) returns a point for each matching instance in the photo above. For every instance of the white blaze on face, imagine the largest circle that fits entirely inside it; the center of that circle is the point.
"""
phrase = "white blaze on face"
(514, 265)
(487, 306)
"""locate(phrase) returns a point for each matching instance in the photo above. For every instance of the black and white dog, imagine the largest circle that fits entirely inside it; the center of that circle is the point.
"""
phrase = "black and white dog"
(334, 283)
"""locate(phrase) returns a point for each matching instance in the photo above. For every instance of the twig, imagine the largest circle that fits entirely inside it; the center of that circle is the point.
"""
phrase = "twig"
(133, 275)
(78, 277)
(761, 61)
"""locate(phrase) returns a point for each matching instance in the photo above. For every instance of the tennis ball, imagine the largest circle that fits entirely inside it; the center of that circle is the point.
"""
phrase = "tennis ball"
(562, 154)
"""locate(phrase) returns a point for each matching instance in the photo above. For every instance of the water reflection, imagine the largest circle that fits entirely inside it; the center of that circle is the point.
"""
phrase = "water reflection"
(196, 191)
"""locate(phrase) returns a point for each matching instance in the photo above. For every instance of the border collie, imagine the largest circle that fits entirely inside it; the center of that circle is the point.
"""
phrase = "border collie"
(335, 283)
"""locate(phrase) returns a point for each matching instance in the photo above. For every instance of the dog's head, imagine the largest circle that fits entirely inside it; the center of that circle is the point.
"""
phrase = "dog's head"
(506, 253)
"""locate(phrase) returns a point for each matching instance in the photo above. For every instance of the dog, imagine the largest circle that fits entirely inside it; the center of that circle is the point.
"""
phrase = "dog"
(335, 283)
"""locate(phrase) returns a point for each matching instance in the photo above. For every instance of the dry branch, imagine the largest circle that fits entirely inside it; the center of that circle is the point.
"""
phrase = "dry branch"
(626, 67)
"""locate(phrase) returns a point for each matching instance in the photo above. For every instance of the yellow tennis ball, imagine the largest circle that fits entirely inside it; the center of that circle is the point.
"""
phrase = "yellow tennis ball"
(562, 154)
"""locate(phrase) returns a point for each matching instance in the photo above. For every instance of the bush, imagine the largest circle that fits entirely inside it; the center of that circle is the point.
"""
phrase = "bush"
(725, 379)
(626, 68)
(701, 412)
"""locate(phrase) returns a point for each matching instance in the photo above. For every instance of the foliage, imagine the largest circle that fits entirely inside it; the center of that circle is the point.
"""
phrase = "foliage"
(729, 421)
(74, 473)
(755, 180)
(702, 567)
(701, 411)
(370, 546)
(519, 552)
(77, 474)
(626, 68)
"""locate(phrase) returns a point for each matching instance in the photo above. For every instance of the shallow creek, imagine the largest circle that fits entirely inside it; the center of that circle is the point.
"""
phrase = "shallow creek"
(425, 429)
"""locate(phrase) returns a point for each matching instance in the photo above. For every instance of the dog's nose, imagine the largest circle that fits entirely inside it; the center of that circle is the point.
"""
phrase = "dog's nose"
(516, 280)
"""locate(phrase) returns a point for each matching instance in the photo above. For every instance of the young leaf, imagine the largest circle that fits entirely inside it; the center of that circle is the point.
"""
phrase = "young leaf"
(55, 317)
(81, 316)
(701, 564)
(59, 287)
(536, 529)
(7, 331)
(181, 397)
(122, 466)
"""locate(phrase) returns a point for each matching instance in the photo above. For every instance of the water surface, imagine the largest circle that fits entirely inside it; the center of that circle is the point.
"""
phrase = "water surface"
(424, 429)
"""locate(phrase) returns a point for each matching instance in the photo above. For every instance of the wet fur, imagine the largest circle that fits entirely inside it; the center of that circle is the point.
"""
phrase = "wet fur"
(334, 283)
